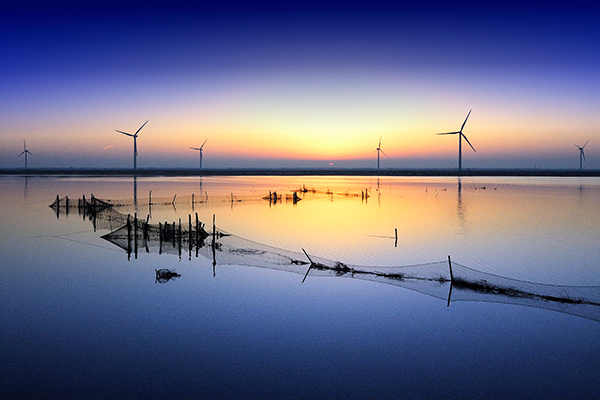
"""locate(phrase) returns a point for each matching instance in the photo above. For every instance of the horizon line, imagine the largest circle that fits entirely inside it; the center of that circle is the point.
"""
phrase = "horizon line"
(288, 171)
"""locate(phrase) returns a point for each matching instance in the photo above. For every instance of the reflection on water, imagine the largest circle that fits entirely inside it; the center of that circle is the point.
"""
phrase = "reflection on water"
(469, 284)
(166, 306)
(503, 227)
(460, 211)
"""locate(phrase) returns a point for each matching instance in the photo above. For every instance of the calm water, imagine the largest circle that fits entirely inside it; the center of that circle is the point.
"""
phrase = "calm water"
(82, 318)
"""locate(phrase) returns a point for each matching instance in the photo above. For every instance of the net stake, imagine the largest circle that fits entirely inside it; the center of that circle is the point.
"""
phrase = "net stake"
(311, 265)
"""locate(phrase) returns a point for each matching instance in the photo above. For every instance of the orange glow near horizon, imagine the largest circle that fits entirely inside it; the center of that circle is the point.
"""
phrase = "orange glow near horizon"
(304, 119)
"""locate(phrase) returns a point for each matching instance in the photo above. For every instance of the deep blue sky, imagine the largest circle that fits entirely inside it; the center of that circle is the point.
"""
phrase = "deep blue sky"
(315, 81)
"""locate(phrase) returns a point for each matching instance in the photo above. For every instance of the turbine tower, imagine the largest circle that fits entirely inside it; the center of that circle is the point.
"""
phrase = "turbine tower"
(378, 150)
(460, 136)
(134, 136)
(581, 154)
(200, 150)
(25, 151)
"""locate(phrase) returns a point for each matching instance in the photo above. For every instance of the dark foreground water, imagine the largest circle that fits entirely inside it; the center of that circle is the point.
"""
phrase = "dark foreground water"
(83, 318)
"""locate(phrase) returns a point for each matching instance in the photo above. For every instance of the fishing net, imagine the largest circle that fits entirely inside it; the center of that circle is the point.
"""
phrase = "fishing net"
(64, 205)
(445, 279)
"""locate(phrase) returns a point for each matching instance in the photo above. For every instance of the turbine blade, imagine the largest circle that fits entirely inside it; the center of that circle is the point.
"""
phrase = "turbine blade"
(585, 144)
(463, 135)
(141, 127)
(194, 148)
(583, 154)
(579, 147)
(384, 153)
(23, 152)
(379, 141)
(125, 133)
(463, 125)
(447, 133)
(203, 144)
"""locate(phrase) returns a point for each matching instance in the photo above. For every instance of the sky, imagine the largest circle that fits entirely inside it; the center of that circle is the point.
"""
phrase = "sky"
(299, 84)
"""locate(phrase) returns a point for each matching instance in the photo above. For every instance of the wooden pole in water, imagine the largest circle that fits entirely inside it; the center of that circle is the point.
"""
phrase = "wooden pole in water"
(174, 233)
(146, 235)
(179, 239)
(94, 211)
(128, 237)
(197, 232)
(146, 225)
(190, 238)
(135, 235)
(160, 238)
(214, 247)
(451, 281)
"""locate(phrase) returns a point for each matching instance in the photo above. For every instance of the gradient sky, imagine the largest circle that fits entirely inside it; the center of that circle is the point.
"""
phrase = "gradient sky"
(300, 84)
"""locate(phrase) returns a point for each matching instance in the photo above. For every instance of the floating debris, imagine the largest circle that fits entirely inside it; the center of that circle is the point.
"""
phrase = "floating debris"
(165, 275)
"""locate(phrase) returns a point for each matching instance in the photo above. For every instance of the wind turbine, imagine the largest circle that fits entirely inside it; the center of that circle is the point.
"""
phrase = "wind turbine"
(581, 154)
(134, 136)
(25, 151)
(460, 136)
(200, 150)
(378, 150)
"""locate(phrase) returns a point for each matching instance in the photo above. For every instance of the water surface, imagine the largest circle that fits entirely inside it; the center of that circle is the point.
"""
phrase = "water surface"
(84, 319)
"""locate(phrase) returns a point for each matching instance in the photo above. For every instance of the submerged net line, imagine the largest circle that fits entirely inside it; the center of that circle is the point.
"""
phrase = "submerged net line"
(433, 279)
(445, 280)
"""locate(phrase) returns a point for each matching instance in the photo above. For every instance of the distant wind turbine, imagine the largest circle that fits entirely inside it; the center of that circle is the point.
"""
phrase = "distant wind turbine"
(460, 136)
(200, 150)
(378, 150)
(25, 151)
(581, 154)
(134, 136)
